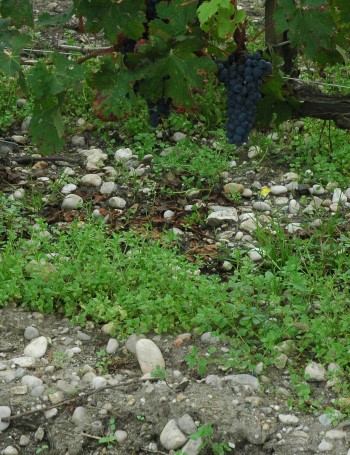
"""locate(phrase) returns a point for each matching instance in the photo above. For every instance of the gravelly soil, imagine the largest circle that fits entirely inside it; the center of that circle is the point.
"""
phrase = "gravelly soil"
(245, 417)
(238, 414)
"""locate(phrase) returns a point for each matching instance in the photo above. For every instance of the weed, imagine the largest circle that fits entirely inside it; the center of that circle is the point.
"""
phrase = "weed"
(103, 362)
(42, 448)
(205, 433)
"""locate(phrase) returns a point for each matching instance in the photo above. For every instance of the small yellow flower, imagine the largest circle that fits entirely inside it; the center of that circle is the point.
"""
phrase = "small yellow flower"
(265, 191)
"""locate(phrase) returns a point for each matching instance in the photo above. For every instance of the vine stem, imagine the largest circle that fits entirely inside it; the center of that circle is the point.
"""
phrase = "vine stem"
(76, 398)
(108, 51)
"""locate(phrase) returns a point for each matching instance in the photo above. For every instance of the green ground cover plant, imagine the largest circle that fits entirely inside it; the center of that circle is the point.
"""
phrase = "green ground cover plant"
(300, 292)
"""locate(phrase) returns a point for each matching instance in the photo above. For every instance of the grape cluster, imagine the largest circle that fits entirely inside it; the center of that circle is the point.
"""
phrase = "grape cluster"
(126, 45)
(158, 110)
(242, 78)
(151, 12)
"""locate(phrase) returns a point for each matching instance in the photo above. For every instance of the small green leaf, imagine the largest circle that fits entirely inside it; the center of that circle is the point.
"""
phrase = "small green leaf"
(20, 12)
(47, 20)
(46, 126)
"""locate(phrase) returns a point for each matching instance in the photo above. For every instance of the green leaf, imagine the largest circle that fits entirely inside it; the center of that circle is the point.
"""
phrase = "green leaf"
(57, 20)
(11, 45)
(343, 9)
(105, 76)
(51, 80)
(20, 12)
(220, 17)
(174, 19)
(119, 98)
(209, 9)
(46, 126)
(316, 42)
(125, 17)
(177, 74)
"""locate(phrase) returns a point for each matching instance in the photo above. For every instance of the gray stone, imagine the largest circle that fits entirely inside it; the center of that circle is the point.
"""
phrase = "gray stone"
(325, 446)
(255, 255)
(261, 206)
(91, 180)
(172, 437)
(233, 187)
(112, 346)
(247, 192)
(39, 434)
(5, 411)
(317, 190)
(81, 416)
(178, 136)
(30, 333)
(24, 440)
(98, 382)
(56, 397)
(108, 328)
(117, 202)
(338, 196)
(123, 154)
(21, 102)
(149, 356)
(315, 372)
(209, 338)
(281, 361)
(83, 336)
(277, 190)
(288, 419)
(186, 424)
(130, 343)
(94, 158)
(24, 362)
(36, 348)
(293, 227)
(281, 200)
(31, 381)
(78, 141)
(69, 188)
(250, 225)
(25, 125)
(243, 379)
(72, 202)
(121, 436)
(223, 216)
(9, 450)
(19, 194)
(37, 391)
(168, 214)
(108, 188)
(51, 413)
(214, 381)
(192, 447)
(335, 434)
(289, 176)
(254, 151)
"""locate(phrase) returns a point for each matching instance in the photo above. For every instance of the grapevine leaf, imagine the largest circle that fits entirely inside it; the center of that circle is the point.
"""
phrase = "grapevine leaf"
(176, 18)
(118, 99)
(11, 45)
(105, 76)
(68, 74)
(20, 12)
(58, 20)
(124, 17)
(61, 76)
(46, 126)
(318, 43)
(341, 9)
(220, 17)
(209, 9)
(180, 71)
(276, 105)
